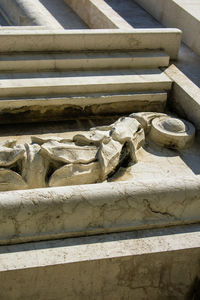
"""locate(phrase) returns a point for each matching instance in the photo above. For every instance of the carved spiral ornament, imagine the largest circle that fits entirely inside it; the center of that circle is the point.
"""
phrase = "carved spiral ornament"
(172, 132)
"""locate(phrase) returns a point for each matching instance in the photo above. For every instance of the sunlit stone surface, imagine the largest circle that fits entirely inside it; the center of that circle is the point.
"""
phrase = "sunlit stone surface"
(99, 149)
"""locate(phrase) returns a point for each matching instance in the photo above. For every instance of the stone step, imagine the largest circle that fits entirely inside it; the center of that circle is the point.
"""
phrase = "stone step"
(31, 62)
(167, 39)
(67, 107)
(62, 83)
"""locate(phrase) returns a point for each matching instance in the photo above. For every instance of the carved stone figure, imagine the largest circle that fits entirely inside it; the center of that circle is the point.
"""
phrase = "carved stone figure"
(89, 157)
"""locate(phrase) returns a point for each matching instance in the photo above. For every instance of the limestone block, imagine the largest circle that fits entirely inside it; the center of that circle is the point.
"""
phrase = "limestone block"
(51, 213)
(84, 60)
(144, 264)
(64, 107)
(81, 82)
(102, 39)
(185, 96)
(98, 14)
(22, 13)
(182, 14)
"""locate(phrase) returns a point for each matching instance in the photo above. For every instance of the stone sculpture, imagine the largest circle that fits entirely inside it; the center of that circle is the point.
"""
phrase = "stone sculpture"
(89, 157)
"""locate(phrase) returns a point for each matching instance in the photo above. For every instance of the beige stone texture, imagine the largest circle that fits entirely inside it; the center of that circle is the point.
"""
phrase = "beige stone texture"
(135, 235)
(38, 214)
(102, 39)
(151, 264)
(182, 14)
(185, 98)
(32, 12)
(172, 132)
(63, 107)
(69, 83)
(94, 155)
(189, 63)
(86, 60)
(98, 14)
(64, 15)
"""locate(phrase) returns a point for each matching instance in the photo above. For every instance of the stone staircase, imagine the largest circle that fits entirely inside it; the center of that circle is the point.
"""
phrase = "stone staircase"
(63, 96)
(68, 84)
(81, 82)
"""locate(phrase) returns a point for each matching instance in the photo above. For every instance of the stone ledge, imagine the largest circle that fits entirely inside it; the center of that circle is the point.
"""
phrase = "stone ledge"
(50, 213)
(180, 14)
(88, 39)
(158, 264)
(17, 110)
(84, 60)
(98, 14)
(81, 82)
(185, 94)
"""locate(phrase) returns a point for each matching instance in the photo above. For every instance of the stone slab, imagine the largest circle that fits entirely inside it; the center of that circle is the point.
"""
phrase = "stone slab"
(61, 108)
(71, 40)
(22, 12)
(19, 28)
(189, 63)
(97, 14)
(50, 213)
(177, 13)
(185, 97)
(62, 12)
(148, 264)
(31, 62)
(134, 14)
(57, 83)
(192, 7)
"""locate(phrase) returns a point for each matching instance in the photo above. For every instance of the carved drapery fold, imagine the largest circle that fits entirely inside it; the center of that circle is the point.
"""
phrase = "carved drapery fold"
(89, 157)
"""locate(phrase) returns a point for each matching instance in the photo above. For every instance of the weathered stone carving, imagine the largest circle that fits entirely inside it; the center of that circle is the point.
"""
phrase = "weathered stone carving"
(89, 157)
(172, 132)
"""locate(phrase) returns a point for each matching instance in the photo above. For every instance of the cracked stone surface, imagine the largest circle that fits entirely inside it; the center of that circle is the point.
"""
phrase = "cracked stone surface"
(38, 214)
(159, 186)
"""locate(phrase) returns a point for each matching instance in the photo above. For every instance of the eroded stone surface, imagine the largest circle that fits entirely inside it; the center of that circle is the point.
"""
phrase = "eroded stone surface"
(172, 132)
(90, 156)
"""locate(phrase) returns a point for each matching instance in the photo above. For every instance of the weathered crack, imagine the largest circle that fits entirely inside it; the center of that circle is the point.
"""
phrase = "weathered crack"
(157, 211)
